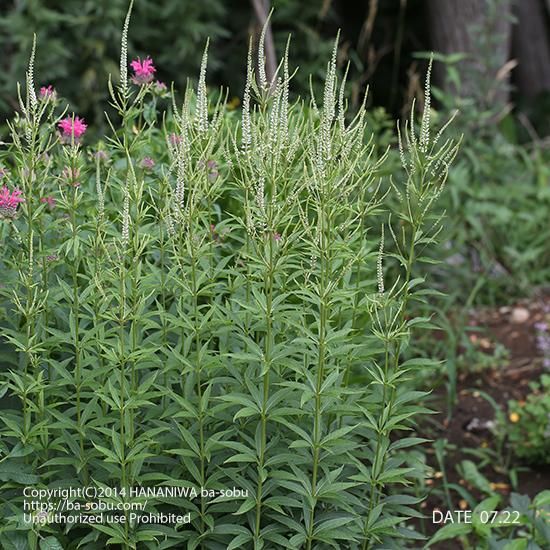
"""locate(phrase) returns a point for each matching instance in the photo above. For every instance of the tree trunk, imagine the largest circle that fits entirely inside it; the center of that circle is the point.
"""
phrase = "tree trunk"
(481, 30)
(531, 47)
(262, 9)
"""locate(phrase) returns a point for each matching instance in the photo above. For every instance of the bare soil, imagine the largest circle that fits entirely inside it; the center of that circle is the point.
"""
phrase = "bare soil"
(469, 426)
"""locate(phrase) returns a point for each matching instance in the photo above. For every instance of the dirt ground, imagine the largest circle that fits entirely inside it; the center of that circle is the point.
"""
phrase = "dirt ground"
(470, 426)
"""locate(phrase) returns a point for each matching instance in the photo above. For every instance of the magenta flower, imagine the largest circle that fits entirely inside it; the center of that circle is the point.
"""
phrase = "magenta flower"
(160, 87)
(48, 92)
(49, 200)
(147, 163)
(72, 126)
(143, 71)
(9, 201)
(276, 236)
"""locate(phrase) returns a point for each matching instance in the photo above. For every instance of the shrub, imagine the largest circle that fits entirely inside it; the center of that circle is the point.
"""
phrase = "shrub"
(206, 307)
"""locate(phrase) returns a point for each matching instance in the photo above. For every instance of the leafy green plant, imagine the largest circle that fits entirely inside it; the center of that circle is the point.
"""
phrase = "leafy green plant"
(477, 358)
(207, 306)
(529, 433)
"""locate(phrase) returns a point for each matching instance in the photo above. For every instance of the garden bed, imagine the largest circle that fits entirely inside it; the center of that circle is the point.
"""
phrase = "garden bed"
(472, 427)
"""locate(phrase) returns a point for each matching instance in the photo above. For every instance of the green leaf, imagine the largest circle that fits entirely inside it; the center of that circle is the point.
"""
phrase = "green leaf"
(450, 531)
(516, 544)
(17, 472)
(247, 505)
(475, 477)
(239, 541)
(542, 499)
(50, 543)
(14, 540)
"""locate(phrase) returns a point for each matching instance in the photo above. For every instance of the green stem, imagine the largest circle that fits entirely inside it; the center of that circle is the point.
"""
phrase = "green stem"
(324, 223)
(122, 382)
(196, 316)
(262, 476)
(389, 402)
(76, 343)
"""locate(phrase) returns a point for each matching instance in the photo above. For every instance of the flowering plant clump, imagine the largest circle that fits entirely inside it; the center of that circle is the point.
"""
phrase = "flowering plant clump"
(529, 436)
(143, 71)
(72, 127)
(233, 316)
(9, 201)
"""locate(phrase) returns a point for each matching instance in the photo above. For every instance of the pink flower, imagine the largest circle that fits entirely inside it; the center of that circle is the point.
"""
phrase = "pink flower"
(72, 126)
(277, 236)
(50, 201)
(48, 92)
(147, 163)
(9, 202)
(143, 70)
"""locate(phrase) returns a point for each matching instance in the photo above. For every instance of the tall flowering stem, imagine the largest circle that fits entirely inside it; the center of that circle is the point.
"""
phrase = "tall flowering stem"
(72, 200)
(425, 164)
(29, 144)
